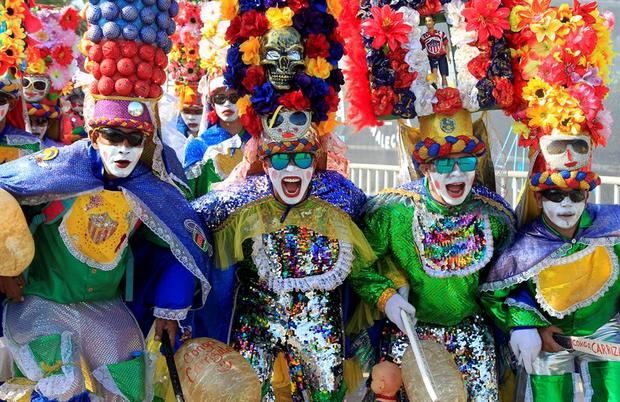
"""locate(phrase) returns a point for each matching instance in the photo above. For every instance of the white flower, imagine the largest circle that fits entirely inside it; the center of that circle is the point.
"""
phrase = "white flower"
(210, 11)
(425, 97)
(464, 55)
(410, 16)
(453, 11)
(469, 97)
(418, 61)
(461, 36)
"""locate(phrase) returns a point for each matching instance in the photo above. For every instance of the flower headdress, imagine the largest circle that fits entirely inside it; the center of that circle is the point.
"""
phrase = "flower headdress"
(12, 34)
(128, 43)
(562, 56)
(52, 52)
(186, 67)
(304, 78)
(388, 71)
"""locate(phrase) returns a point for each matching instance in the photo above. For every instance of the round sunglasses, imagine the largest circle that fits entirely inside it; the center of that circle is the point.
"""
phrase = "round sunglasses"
(302, 160)
(114, 136)
(446, 165)
(39, 85)
(558, 196)
(220, 99)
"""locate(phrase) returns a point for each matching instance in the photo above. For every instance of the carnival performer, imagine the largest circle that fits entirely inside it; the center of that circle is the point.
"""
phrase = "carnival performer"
(435, 238)
(70, 334)
(212, 155)
(51, 62)
(561, 274)
(73, 109)
(290, 229)
(14, 140)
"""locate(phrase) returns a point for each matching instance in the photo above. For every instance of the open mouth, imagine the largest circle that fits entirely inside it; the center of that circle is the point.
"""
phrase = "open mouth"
(455, 190)
(122, 164)
(291, 186)
(570, 164)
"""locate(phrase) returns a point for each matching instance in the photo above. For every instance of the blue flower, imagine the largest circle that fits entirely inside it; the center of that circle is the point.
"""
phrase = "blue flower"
(247, 5)
(405, 107)
(336, 51)
(485, 93)
(336, 79)
(235, 69)
(313, 21)
(264, 99)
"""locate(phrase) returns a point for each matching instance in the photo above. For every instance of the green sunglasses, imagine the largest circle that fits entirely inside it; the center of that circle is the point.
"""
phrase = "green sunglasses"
(446, 165)
(303, 160)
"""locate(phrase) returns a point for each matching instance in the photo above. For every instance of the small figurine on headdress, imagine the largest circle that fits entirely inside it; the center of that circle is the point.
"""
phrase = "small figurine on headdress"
(561, 274)
(217, 148)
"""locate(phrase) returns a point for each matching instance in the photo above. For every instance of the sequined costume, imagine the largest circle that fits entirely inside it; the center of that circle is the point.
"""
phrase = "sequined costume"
(440, 252)
(290, 265)
(72, 320)
(544, 279)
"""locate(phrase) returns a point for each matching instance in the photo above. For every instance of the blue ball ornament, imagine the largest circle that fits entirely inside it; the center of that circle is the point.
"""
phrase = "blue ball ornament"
(167, 45)
(148, 2)
(109, 10)
(148, 35)
(95, 33)
(129, 13)
(171, 28)
(174, 9)
(94, 2)
(163, 5)
(163, 20)
(111, 30)
(130, 32)
(93, 14)
(147, 16)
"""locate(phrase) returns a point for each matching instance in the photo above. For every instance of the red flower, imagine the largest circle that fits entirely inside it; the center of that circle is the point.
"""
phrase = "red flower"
(251, 23)
(332, 99)
(503, 92)
(553, 72)
(317, 46)
(386, 26)
(251, 122)
(63, 55)
(582, 39)
(448, 101)
(430, 7)
(70, 19)
(585, 11)
(404, 78)
(479, 65)
(383, 99)
(254, 76)
(487, 18)
(294, 101)
(588, 101)
(298, 5)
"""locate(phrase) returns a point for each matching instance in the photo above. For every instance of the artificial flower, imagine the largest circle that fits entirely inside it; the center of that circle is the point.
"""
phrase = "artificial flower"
(404, 78)
(523, 15)
(255, 76)
(317, 46)
(487, 17)
(280, 17)
(328, 126)
(250, 50)
(429, 7)
(485, 92)
(425, 96)
(310, 20)
(454, 12)
(410, 16)
(70, 19)
(448, 101)
(546, 28)
(318, 67)
(294, 100)
(251, 23)
(503, 92)
(543, 117)
(536, 91)
(582, 40)
(588, 101)
(460, 36)
(298, 5)
(229, 9)
(383, 99)
(332, 100)
(417, 60)
(600, 128)
(264, 99)
(251, 122)
(478, 66)
(334, 7)
(470, 94)
(243, 103)
(63, 55)
(386, 26)
(586, 11)
(58, 76)
(405, 106)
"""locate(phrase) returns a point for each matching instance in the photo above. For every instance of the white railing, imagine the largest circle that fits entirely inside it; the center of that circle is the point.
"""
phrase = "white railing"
(372, 178)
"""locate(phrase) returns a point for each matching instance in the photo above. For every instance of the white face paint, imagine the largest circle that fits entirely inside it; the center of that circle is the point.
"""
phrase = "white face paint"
(291, 184)
(452, 187)
(120, 160)
(565, 214)
(35, 87)
(192, 120)
(4, 110)
(227, 112)
(566, 152)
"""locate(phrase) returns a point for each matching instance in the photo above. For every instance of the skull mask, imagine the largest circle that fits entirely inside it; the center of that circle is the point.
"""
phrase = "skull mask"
(282, 54)
(36, 87)
(566, 152)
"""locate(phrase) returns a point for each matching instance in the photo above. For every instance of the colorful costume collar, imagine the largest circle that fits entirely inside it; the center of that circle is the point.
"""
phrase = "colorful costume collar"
(63, 173)
(216, 206)
(536, 241)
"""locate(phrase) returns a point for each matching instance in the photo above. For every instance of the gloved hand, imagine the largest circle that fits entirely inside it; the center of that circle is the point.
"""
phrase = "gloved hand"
(525, 344)
(394, 305)
(404, 291)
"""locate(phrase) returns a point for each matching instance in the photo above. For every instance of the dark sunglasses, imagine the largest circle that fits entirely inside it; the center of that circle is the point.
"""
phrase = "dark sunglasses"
(303, 160)
(114, 136)
(220, 99)
(39, 85)
(446, 165)
(559, 195)
(296, 118)
(559, 146)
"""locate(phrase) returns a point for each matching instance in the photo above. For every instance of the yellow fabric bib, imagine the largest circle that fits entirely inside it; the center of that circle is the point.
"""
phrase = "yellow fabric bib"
(8, 154)
(578, 283)
(97, 227)
(225, 163)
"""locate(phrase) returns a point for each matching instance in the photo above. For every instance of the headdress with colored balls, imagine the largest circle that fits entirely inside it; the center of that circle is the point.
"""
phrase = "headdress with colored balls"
(562, 56)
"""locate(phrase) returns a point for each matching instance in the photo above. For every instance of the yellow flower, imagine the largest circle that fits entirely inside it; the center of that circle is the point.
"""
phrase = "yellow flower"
(536, 91)
(520, 129)
(209, 29)
(318, 67)
(546, 28)
(229, 9)
(36, 67)
(568, 20)
(334, 7)
(250, 51)
(542, 117)
(243, 104)
(280, 17)
(328, 126)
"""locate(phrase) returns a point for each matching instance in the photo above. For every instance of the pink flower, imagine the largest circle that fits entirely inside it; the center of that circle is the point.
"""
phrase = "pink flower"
(588, 100)
(487, 18)
(386, 26)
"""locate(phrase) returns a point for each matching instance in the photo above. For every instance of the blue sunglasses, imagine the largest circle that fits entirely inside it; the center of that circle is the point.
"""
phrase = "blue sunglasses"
(303, 160)
(446, 165)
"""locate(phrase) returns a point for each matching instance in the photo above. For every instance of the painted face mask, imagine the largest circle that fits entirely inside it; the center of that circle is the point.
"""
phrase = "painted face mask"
(290, 176)
(35, 87)
(225, 105)
(120, 158)
(4, 110)
(566, 152)
(563, 208)
(453, 178)
(192, 120)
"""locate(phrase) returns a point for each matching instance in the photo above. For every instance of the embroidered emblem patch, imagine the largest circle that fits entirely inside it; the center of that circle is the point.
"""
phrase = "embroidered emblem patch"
(447, 124)
(45, 155)
(198, 236)
(101, 227)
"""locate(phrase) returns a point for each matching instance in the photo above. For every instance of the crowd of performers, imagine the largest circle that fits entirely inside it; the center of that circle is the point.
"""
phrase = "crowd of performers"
(224, 211)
